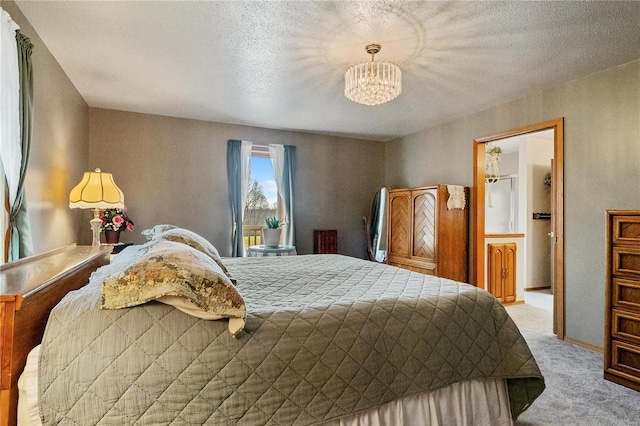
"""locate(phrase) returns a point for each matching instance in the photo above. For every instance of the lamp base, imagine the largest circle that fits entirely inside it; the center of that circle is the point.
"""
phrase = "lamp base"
(95, 228)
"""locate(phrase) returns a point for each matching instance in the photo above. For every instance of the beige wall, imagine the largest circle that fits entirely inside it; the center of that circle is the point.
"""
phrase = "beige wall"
(59, 149)
(602, 170)
(174, 170)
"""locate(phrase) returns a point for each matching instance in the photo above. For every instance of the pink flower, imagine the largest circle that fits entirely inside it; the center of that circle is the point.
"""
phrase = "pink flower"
(117, 221)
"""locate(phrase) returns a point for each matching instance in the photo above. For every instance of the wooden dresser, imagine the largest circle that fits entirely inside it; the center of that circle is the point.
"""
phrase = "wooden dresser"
(622, 298)
(424, 235)
(29, 289)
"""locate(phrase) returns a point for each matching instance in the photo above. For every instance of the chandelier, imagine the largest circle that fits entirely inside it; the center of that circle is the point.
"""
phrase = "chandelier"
(373, 83)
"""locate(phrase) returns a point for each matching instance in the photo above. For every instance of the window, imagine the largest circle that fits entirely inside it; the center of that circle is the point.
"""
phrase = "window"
(239, 156)
(262, 197)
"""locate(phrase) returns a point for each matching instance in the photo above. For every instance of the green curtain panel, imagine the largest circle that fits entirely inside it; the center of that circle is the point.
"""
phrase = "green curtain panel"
(21, 242)
(234, 176)
(289, 171)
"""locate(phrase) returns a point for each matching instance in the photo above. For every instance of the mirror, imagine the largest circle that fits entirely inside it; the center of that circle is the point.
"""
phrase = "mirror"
(502, 186)
(376, 226)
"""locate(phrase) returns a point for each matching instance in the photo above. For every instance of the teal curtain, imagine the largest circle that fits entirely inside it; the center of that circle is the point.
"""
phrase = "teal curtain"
(234, 176)
(21, 242)
(289, 172)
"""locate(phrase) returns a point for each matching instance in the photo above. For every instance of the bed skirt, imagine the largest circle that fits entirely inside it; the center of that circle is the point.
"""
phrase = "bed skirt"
(482, 402)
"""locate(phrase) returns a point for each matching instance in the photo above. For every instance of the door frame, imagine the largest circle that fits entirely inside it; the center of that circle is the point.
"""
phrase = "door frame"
(557, 188)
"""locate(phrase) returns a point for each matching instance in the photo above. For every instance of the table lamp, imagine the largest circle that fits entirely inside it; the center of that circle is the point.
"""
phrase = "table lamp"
(96, 191)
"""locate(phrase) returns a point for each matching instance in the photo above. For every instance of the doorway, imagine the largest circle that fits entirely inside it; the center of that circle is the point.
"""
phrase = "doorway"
(557, 212)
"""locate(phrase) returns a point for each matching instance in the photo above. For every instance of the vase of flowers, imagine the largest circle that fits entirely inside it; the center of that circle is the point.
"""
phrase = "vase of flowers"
(113, 222)
(271, 234)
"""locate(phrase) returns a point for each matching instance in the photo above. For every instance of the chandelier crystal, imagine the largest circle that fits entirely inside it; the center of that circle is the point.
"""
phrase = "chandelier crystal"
(373, 83)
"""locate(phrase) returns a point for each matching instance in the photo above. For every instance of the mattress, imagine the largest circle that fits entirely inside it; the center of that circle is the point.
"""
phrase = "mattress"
(326, 336)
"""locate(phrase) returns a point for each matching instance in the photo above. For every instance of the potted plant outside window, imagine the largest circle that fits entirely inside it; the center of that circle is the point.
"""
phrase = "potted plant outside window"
(271, 234)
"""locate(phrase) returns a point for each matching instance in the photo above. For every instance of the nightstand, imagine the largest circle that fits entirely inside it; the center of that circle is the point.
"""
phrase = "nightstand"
(116, 248)
(258, 251)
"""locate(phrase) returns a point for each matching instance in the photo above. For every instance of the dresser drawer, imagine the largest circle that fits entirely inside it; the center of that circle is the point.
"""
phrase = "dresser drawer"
(626, 294)
(626, 229)
(625, 358)
(626, 261)
(423, 269)
(625, 326)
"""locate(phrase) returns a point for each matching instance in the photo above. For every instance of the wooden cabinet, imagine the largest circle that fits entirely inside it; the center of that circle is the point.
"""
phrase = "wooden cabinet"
(426, 236)
(325, 241)
(501, 271)
(622, 299)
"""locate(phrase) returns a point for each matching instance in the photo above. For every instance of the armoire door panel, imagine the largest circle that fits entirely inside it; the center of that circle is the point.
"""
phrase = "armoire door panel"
(424, 225)
(399, 211)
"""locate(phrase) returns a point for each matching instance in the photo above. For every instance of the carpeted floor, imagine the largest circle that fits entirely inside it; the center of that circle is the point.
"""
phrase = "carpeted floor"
(576, 392)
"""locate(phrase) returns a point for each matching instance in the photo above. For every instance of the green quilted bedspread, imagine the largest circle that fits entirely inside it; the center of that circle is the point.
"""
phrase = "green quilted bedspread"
(326, 336)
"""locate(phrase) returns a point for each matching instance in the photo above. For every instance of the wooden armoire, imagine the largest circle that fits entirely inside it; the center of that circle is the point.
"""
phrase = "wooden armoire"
(427, 236)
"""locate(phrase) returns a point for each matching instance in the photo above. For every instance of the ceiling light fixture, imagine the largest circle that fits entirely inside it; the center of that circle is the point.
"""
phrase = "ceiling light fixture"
(373, 83)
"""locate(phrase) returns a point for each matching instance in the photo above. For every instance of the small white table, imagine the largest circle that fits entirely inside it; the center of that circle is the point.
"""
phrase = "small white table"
(257, 251)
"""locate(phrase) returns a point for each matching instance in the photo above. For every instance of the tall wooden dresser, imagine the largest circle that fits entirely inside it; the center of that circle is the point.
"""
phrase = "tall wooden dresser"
(424, 235)
(622, 309)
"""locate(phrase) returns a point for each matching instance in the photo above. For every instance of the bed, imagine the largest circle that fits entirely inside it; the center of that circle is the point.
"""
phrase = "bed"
(326, 339)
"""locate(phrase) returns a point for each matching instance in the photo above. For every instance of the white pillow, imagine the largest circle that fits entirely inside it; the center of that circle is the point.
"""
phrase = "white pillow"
(152, 233)
(196, 241)
(190, 308)
(170, 268)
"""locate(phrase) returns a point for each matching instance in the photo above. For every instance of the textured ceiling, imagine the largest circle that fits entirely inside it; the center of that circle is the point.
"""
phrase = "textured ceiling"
(281, 64)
